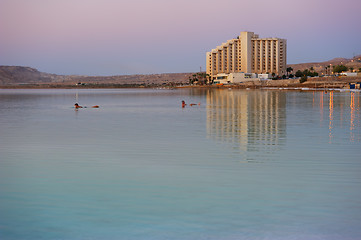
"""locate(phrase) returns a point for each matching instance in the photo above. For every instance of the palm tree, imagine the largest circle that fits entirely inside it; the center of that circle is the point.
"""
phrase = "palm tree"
(288, 70)
(202, 77)
(208, 77)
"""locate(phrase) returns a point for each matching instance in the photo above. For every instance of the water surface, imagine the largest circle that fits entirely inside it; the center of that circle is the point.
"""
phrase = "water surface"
(243, 164)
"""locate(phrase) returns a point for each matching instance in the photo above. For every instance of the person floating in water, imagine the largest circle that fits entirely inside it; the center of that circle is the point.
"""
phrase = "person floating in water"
(192, 104)
(76, 105)
(183, 104)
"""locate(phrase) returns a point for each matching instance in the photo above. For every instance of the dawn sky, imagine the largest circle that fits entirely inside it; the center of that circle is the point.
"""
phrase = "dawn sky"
(116, 37)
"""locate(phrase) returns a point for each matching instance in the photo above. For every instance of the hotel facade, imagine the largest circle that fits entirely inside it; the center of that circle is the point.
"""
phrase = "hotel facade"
(249, 54)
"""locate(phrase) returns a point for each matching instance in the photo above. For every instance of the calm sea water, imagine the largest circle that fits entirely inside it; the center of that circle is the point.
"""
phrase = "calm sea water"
(244, 164)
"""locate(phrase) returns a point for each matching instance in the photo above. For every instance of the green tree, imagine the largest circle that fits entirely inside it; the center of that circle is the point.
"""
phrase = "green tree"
(190, 80)
(308, 73)
(288, 70)
(209, 79)
(339, 68)
(202, 78)
(299, 73)
(303, 79)
(193, 79)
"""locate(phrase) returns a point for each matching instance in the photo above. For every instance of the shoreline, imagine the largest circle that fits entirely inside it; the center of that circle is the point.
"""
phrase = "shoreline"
(228, 87)
(320, 83)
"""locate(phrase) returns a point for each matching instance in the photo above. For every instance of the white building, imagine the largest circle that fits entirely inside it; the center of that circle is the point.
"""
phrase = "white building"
(232, 78)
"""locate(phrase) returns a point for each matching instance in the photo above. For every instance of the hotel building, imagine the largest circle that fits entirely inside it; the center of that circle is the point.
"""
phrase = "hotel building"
(249, 54)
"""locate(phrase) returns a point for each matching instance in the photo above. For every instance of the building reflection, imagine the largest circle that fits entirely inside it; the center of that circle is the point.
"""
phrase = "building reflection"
(344, 108)
(252, 120)
(353, 111)
(330, 124)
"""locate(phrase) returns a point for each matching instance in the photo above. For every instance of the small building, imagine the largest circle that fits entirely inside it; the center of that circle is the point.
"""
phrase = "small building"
(355, 85)
(264, 76)
(233, 78)
(241, 77)
(349, 74)
(221, 78)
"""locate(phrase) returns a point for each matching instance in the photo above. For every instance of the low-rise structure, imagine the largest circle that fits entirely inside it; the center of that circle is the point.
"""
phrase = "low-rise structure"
(349, 74)
(232, 78)
(264, 76)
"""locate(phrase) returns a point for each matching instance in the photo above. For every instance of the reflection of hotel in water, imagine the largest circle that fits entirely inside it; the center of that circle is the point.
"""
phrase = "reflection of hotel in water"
(254, 119)
(343, 108)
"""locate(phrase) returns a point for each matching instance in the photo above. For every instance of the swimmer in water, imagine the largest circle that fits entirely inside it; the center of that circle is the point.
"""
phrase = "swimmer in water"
(183, 104)
(76, 105)
(193, 104)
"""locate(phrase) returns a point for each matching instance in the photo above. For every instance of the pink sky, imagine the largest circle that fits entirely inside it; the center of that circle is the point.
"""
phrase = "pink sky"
(111, 37)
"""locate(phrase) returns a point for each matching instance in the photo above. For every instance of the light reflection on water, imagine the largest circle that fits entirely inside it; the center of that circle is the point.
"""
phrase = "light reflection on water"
(256, 121)
(242, 165)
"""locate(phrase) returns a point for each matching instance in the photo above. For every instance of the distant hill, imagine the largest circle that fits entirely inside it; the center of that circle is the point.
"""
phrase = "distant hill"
(16, 75)
(319, 67)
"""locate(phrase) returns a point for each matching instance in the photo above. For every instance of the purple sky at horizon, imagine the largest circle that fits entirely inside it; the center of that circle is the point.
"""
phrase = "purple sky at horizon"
(116, 37)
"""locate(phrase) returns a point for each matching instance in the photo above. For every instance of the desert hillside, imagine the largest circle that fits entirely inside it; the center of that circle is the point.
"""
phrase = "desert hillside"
(320, 67)
(18, 75)
(15, 75)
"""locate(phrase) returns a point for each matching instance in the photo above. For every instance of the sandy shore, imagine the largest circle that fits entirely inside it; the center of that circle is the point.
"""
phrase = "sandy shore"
(314, 83)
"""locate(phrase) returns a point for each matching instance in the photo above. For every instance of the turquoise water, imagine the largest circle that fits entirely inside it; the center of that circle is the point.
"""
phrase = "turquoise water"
(244, 164)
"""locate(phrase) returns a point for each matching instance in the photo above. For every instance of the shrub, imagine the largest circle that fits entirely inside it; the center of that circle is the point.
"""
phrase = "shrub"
(299, 73)
(340, 68)
(303, 79)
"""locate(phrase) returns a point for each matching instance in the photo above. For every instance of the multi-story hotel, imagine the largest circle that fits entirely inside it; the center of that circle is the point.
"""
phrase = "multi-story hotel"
(249, 54)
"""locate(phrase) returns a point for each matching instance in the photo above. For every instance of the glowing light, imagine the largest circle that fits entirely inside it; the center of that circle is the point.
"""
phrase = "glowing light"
(352, 115)
(330, 125)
